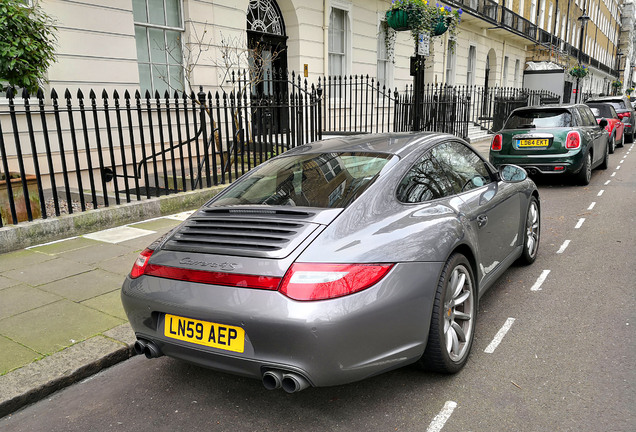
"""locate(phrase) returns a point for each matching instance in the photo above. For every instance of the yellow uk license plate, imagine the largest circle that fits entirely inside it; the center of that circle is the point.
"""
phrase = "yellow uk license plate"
(205, 333)
(537, 142)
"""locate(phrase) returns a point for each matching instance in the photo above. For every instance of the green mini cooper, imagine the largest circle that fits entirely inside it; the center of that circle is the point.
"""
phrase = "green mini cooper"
(553, 139)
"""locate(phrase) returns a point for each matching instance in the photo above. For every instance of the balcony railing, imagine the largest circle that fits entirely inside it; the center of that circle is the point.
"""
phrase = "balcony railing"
(518, 24)
(484, 9)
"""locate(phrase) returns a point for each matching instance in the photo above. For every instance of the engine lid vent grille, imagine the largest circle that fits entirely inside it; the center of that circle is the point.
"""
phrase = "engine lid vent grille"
(256, 233)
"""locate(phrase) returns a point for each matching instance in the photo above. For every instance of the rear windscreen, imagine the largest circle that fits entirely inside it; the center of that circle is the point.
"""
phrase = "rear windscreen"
(327, 180)
(539, 119)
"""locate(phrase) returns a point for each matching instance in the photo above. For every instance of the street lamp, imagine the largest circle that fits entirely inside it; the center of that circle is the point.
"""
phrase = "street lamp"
(584, 19)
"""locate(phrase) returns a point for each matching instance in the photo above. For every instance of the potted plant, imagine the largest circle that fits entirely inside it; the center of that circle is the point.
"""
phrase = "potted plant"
(422, 17)
(19, 200)
(579, 71)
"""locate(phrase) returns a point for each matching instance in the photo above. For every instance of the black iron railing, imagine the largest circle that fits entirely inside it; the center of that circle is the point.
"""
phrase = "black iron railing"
(76, 153)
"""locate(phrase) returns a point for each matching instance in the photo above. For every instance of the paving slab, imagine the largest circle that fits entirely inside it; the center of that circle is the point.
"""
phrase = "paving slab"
(35, 274)
(109, 303)
(55, 326)
(117, 235)
(120, 265)
(60, 246)
(21, 258)
(156, 225)
(85, 285)
(98, 251)
(22, 298)
(14, 355)
(37, 380)
(123, 333)
(6, 282)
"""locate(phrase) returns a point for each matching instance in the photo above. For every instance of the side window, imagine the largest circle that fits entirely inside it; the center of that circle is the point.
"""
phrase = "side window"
(424, 182)
(576, 118)
(463, 167)
(588, 117)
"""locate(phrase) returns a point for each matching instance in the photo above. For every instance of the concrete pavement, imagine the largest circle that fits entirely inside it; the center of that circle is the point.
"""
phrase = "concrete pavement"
(61, 318)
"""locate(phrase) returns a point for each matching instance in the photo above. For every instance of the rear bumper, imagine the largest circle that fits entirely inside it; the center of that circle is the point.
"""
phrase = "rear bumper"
(571, 163)
(329, 342)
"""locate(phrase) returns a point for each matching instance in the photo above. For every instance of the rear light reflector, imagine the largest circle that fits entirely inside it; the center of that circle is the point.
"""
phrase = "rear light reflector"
(573, 140)
(141, 263)
(309, 281)
(213, 278)
(559, 168)
(496, 142)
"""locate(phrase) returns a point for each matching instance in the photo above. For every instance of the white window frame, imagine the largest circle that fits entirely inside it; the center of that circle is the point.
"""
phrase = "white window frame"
(451, 61)
(149, 26)
(471, 66)
(387, 62)
(504, 72)
(347, 7)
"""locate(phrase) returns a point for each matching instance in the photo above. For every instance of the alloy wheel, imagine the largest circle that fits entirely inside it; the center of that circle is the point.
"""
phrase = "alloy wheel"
(459, 311)
(532, 229)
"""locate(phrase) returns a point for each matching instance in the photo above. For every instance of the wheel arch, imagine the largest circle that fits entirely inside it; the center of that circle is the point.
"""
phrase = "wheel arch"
(467, 251)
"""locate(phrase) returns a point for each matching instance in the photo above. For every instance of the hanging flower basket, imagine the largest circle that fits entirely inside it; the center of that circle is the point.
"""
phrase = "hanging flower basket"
(440, 27)
(616, 84)
(422, 17)
(398, 19)
(579, 71)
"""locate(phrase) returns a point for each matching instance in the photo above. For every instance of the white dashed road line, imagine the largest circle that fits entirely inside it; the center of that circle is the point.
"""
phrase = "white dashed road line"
(563, 247)
(579, 223)
(499, 336)
(591, 206)
(600, 192)
(607, 182)
(613, 174)
(440, 419)
(539, 282)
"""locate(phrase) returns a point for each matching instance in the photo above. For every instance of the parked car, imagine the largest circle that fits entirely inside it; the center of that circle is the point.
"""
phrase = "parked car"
(615, 127)
(553, 140)
(625, 112)
(336, 261)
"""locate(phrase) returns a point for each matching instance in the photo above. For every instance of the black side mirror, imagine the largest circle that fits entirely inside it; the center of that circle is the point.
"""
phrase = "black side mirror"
(512, 173)
(603, 123)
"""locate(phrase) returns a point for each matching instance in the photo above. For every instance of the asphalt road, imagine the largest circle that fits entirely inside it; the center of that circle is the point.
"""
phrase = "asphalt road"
(564, 359)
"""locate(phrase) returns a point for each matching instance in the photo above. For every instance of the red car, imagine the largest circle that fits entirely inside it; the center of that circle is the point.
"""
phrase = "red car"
(615, 126)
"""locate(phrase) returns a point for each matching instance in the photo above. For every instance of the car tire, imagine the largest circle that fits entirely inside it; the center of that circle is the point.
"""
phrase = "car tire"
(532, 233)
(605, 163)
(612, 144)
(453, 319)
(630, 138)
(584, 176)
(622, 143)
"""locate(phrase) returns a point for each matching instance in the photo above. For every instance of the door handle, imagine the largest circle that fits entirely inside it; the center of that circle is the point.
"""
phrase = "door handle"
(482, 220)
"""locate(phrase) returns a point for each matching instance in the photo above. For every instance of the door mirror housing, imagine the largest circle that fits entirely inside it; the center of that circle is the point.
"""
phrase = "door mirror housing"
(602, 123)
(512, 173)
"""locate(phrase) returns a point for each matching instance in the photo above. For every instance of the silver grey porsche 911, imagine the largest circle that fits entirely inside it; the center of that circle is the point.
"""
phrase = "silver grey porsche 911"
(336, 261)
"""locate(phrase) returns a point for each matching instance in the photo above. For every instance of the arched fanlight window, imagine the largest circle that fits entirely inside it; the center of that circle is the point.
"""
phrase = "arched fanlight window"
(264, 16)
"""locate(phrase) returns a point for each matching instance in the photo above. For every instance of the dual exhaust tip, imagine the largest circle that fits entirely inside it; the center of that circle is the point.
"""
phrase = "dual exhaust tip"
(147, 348)
(291, 382)
(273, 379)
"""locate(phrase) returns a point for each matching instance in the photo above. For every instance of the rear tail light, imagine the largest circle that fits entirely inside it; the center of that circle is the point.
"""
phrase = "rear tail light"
(141, 263)
(308, 281)
(573, 140)
(301, 282)
(625, 114)
(496, 142)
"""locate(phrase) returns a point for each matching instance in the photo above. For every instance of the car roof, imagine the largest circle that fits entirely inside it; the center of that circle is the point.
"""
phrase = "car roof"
(606, 98)
(396, 143)
(548, 107)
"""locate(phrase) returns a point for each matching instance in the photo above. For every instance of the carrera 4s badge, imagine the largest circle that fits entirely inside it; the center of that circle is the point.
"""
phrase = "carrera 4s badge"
(225, 266)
